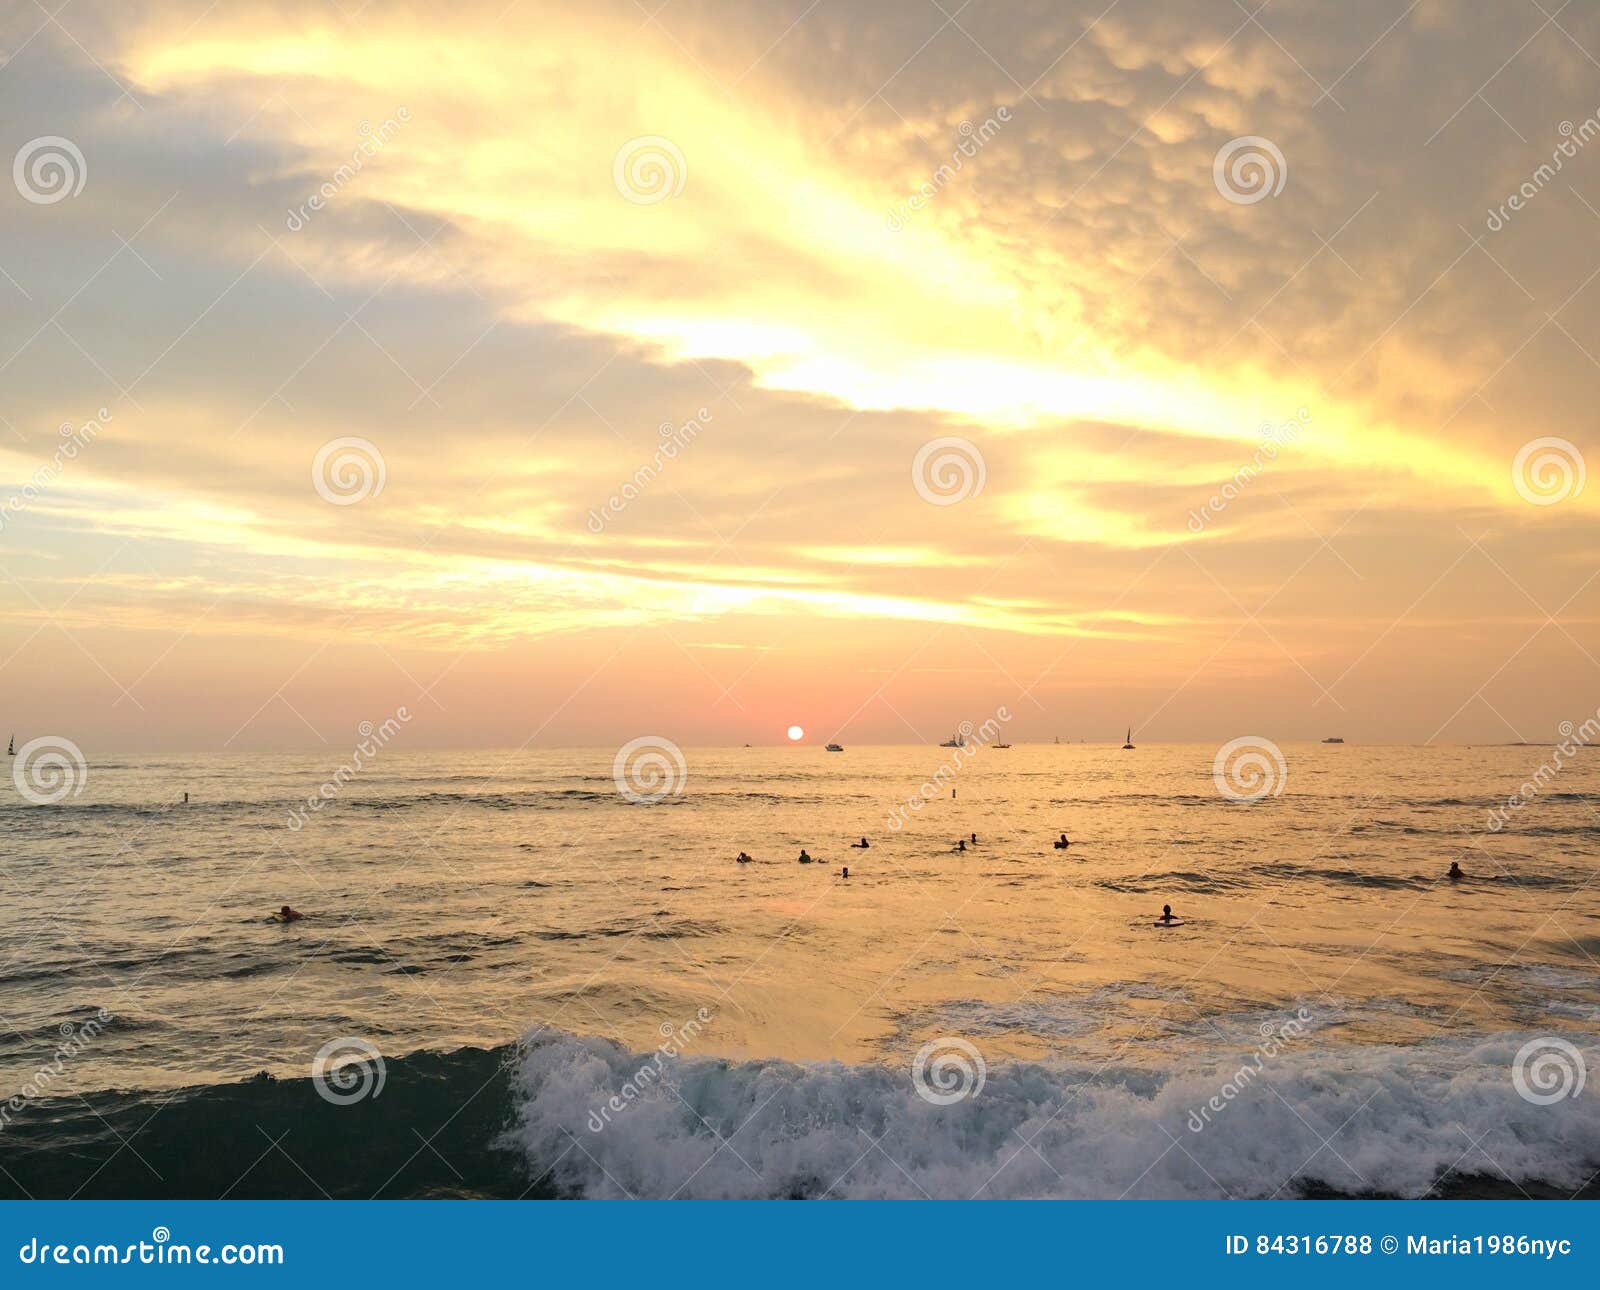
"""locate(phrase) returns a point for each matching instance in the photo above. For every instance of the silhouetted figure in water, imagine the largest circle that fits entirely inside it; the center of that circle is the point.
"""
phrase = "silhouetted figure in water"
(845, 873)
(186, 799)
(1455, 874)
(743, 858)
(288, 915)
(1061, 843)
(974, 838)
(961, 845)
(1166, 915)
(804, 858)
(861, 845)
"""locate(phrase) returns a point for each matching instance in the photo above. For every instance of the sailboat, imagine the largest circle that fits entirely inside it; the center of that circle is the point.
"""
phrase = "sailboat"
(11, 748)
(1129, 743)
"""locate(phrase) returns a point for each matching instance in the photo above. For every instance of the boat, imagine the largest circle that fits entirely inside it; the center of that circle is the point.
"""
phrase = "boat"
(1002, 745)
(953, 742)
(11, 748)
(835, 747)
(1333, 739)
(1129, 744)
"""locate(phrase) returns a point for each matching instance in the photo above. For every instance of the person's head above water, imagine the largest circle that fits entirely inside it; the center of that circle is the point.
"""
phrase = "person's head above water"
(1166, 911)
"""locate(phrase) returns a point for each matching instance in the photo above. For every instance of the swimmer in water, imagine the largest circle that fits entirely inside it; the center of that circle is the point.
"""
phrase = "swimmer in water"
(1455, 874)
(1061, 843)
(861, 845)
(974, 838)
(961, 845)
(743, 858)
(804, 858)
(845, 873)
(288, 915)
(1166, 914)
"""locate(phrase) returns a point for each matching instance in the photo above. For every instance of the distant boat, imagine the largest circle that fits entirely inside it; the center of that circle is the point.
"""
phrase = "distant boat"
(1333, 739)
(1002, 745)
(953, 742)
(1058, 738)
(1129, 744)
(11, 748)
(835, 747)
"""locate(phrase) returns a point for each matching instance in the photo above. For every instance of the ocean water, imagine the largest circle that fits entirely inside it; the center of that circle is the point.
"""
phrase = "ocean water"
(524, 983)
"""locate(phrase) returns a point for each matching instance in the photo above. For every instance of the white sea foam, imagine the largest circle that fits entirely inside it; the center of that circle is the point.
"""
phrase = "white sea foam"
(1394, 1119)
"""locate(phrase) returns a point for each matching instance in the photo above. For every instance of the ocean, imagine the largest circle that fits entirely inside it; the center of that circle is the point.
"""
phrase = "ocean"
(512, 979)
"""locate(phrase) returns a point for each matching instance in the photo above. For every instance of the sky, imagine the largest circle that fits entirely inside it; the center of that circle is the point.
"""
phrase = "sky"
(567, 373)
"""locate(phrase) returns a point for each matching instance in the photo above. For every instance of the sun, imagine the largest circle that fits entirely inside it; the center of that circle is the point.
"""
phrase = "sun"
(796, 733)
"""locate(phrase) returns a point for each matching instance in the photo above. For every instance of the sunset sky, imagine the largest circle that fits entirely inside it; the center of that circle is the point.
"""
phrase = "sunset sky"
(511, 294)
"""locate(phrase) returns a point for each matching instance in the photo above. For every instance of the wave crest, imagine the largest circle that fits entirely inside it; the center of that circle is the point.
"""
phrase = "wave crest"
(1356, 1120)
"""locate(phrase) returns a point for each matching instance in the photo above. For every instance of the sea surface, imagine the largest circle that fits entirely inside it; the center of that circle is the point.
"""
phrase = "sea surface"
(522, 982)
